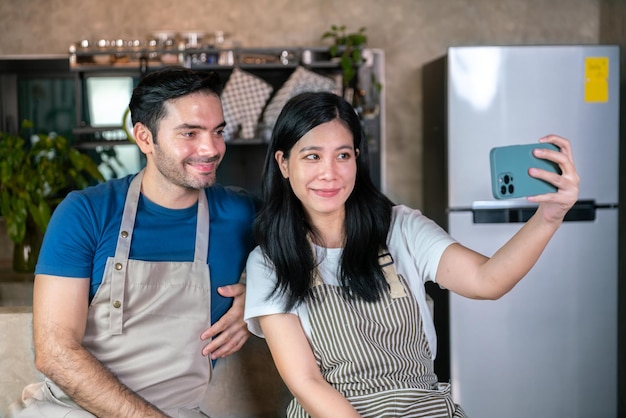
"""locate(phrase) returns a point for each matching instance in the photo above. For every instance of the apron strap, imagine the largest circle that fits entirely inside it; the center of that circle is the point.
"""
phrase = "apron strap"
(202, 228)
(124, 238)
(396, 290)
(122, 253)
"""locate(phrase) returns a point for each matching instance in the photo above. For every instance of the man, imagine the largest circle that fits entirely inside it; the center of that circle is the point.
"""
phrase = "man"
(124, 299)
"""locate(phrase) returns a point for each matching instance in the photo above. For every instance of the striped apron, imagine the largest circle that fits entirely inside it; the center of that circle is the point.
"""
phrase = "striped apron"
(376, 353)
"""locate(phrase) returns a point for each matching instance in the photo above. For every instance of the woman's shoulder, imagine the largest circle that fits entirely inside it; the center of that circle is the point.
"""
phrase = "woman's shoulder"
(412, 223)
(257, 261)
(256, 254)
(402, 213)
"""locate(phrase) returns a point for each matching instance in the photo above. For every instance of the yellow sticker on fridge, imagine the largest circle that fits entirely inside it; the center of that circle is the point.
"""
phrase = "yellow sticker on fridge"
(596, 79)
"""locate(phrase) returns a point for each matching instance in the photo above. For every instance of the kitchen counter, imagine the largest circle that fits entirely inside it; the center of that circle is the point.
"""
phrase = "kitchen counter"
(16, 289)
(16, 347)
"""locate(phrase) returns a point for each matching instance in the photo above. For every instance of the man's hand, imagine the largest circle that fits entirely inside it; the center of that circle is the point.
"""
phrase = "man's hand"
(229, 333)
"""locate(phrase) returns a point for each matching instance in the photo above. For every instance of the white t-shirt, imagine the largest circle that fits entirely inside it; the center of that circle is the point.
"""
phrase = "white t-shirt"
(414, 241)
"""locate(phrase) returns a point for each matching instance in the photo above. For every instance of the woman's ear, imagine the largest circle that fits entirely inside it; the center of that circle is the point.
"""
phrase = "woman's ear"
(357, 152)
(283, 163)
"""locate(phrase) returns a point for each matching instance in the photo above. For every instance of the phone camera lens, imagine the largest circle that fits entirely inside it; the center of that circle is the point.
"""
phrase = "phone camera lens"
(507, 179)
(511, 188)
(503, 190)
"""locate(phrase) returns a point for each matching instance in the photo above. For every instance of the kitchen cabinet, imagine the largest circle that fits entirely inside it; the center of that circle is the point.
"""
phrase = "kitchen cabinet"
(75, 91)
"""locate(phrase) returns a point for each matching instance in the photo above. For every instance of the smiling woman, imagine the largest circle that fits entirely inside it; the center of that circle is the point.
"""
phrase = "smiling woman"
(336, 285)
(321, 170)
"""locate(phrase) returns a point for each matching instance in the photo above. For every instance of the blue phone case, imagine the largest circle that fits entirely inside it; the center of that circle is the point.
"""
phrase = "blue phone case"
(509, 171)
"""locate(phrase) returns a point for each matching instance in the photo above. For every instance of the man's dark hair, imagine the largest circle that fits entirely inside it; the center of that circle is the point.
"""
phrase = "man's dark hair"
(147, 104)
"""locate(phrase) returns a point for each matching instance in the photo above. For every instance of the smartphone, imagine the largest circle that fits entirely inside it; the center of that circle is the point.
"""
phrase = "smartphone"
(509, 171)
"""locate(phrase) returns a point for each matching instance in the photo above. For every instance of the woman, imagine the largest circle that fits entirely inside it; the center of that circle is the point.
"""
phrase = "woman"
(336, 285)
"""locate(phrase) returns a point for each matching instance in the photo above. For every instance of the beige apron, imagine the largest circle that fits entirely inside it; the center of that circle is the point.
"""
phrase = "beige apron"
(376, 353)
(144, 324)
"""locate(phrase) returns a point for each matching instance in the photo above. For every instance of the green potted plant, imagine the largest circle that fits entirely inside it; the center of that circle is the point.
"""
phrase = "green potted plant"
(35, 175)
(348, 48)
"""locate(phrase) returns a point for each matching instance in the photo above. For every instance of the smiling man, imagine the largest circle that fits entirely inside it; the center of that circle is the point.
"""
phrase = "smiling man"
(127, 317)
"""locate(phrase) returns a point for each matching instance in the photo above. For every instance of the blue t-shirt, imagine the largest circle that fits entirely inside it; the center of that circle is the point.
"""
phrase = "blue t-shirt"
(84, 228)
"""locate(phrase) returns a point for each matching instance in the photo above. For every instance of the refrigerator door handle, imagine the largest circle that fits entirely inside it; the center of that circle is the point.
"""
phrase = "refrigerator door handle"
(495, 212)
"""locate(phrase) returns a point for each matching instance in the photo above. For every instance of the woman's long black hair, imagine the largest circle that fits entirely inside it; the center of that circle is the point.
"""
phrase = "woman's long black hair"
(282, 229)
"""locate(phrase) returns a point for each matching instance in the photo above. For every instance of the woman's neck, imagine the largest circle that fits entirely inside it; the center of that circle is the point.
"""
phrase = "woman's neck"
(330, 231)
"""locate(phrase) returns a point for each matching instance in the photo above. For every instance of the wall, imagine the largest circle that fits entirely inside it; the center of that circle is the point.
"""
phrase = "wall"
(411, 32)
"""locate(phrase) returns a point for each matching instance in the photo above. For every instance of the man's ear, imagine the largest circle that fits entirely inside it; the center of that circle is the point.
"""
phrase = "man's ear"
(143, 137)
(283, 163)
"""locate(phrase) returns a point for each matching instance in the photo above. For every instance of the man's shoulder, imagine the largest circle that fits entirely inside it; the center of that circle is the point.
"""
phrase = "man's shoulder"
(107, 189)
(229, 198)
(98, 197)
(231, 192)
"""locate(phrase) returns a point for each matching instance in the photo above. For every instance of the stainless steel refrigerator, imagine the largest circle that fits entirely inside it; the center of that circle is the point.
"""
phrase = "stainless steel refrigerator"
(549, 347)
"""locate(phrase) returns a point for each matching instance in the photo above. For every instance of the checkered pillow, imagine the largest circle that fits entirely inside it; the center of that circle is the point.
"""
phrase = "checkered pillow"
(243, 99)
(300, 81)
